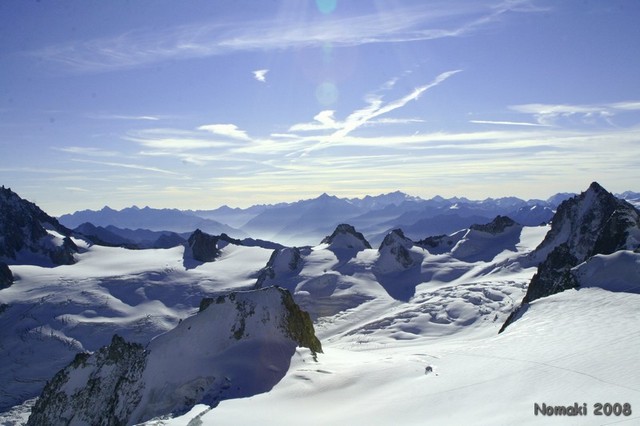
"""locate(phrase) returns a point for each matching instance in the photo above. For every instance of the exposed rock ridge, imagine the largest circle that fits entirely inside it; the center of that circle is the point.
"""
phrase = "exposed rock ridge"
(347, 230)
(238, 344)
(496, 226)
(106, 397)
(23, 227)
(397, 246)
(205, 247)
(591, 223)
(288, 259)
(594, 222)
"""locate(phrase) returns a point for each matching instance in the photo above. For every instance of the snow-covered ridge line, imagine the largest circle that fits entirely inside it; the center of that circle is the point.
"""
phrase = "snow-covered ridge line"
(384, 314)
(592, 223)
(239, 344)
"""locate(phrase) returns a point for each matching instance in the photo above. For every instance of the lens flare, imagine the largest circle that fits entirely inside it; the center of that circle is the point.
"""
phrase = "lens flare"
(326, 6)
(327, 93)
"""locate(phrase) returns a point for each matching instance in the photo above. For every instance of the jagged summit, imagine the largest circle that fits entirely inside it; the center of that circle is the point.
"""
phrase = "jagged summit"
(282, 264)
(6, 276)
(395, 252)
(395, 237)
(496, 226)
(238, 345)
(206, 248)
(29, 235)
(346, 237)
(592, 223)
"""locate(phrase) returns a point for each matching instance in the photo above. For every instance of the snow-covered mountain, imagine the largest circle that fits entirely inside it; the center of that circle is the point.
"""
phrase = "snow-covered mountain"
(238, 345)
(408, 325)
(304, 222)
(592, 223)
(29, 235)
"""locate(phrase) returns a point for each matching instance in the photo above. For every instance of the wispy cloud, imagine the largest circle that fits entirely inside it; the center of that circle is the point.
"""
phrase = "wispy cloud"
(550, 114)
(128, 166)
(89, 151)
(123, 117)
(144, 46)
(260, 75)
(177, 140)
(76, 189)
(368, 115)
(377, 108)
(228, 130)
(324, 120)
(506, 123)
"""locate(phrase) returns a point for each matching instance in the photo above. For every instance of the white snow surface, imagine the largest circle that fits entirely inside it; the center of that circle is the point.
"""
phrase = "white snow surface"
(200, 355)
(50, 314)
(579, 346)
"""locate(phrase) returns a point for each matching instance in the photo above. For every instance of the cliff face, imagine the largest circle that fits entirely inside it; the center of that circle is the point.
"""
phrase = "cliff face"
(6, 276)
(594, 222)
(27, 233)
(282, 264)
(395, 253)
(346, 237)
(590, 224)
(238, 345)
(99, 389)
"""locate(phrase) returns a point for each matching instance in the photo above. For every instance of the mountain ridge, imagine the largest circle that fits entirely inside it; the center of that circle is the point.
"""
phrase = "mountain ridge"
(383, 313)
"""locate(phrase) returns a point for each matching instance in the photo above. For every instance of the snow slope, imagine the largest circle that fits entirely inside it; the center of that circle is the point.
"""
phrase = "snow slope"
(50, 314)
(478, 377)
(237, 345)
(579, 346)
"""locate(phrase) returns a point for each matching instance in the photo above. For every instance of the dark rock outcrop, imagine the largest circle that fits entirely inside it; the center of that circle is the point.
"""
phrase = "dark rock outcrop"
(594, 222)
(206, 248)
(496, 226)
(283, 262)
(6, 277)
(24, 228)
(438, 244)
(238, 344)
(346, 236)
(397, 267)
(105, 396)
(394, 251)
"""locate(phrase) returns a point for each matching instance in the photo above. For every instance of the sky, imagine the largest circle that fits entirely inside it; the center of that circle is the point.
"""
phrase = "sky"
(197, 104)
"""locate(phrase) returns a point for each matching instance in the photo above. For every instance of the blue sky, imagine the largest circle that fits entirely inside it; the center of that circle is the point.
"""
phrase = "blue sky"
(196, 104)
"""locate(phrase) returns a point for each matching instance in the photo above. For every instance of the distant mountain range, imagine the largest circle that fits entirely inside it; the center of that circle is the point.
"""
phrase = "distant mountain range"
(136, 329)
(134, 218)
(305, 222)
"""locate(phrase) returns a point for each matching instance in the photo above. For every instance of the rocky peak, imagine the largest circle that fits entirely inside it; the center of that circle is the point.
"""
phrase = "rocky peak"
(238, 345)
(496, 226)
(106, 394)
(205, 247)
(591, 223)
(395, 252)
(6, 277)
(25, 227)
(346, 236)
(395, 238)
(282, 261)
